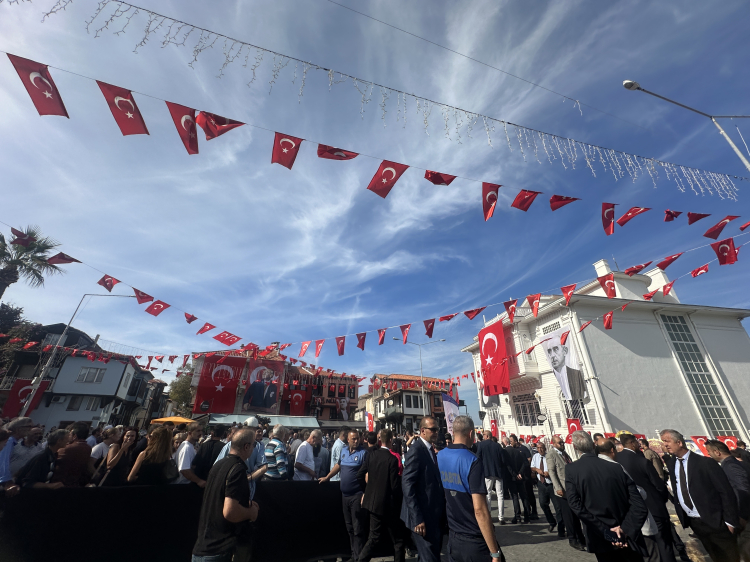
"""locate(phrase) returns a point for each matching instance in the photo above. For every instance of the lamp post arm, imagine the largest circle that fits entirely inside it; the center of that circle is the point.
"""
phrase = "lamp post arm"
(734, 146)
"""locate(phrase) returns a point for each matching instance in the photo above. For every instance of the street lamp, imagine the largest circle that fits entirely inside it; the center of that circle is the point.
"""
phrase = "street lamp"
(38, 380)
(421, 374)
(634, 86)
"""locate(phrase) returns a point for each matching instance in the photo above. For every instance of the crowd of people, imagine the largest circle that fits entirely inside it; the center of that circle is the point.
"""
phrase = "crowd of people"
(411, 490)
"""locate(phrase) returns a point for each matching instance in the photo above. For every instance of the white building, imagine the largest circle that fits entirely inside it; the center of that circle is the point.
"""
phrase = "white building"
(663, 364)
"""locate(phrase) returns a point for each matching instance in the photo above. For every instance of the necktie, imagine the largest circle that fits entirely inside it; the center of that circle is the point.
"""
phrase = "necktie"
(566, 458)
(541, 476)
(434, 456)
(683, 486)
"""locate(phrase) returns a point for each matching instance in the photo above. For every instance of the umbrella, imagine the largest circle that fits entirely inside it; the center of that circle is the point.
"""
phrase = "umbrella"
(174, 419)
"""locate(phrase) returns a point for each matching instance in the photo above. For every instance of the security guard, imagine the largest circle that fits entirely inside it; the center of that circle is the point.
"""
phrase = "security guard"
(472, 535)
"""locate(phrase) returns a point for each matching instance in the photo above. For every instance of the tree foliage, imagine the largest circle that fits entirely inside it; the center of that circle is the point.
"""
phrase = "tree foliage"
(26, 262)
(179, 392)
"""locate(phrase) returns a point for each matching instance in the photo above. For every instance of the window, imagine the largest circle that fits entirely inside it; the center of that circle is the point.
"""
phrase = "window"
(437, 401)
(421, 404)
(575, 409)
(127, 381)
(89, 374)
(93, 403)
(527, 410)
(408, 401)
(75, 403)
(550, 328)
(701, 381)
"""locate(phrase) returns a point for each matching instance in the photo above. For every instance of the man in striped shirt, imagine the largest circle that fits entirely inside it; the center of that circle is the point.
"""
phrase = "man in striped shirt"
(275, 454)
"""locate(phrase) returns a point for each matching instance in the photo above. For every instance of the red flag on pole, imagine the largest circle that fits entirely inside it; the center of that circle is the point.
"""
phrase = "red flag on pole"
(215, 125)
(40, 86)
(489, 199)
(184, 122)
(386, 177)
(124, 109)
(285, 149)
(608, 218)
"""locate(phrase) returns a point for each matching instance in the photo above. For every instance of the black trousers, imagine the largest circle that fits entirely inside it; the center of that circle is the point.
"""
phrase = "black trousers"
(354, 517)
(394, 527)
(664, 543)
(468, 549)
(572, 523)
(529, 484)
(518, 494)
(720, 544)
(620, 555)
(544, 497)
(429, 546)
(558, 512)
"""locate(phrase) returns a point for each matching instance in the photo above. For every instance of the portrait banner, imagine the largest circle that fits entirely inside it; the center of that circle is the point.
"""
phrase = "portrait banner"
(563, 360)
(217, 385)
(262, 392)
(451, 411)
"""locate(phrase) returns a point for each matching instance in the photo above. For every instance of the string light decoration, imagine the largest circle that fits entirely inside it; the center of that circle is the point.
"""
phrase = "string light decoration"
(116, 16)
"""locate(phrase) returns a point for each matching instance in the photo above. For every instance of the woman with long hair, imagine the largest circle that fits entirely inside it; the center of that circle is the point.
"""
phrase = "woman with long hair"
(121, 458)
(155, 465)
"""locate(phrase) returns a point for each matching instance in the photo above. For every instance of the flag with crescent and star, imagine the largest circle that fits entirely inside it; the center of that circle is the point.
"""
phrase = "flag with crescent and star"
(489, 199)
(637, 268)
(524, 199)
(184, 122)
(40, 86)
(405, 331)
(699, 270)
(381, 335)
(744, 226)
(584, 326)
(206, 328)
(716, 229)
(285, 149)
(666, 289)
(557, 201)
(340, 343)
(108, 282)
(449, 317)
(725, 251)
(574, 424)
(142, 297)
(303, 348)
(471, 314)
(608, 218)
(564, 337)
(189, 318)
(608, 320)
(386, 177)
(429, 326)
(608, 284)
(217, 386)
(695, 217)
(669, 216)
(567, 292)
(21, 238)
(649, 296)
(124, 109)
(494, 374)
(319, 346)
(361, 340)
(332, 153)
(631, 214)
(19, 394)
(510, 308)
(227, 339)
(61, 258)
(666, 262)
(437, 178)
(215, 125)
(533, 301)
(157, 307)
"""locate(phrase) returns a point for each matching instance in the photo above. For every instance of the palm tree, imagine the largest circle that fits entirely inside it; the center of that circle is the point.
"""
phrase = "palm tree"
(29, 262)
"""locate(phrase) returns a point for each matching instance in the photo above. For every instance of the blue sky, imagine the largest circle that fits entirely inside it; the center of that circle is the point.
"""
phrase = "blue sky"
(278, 255)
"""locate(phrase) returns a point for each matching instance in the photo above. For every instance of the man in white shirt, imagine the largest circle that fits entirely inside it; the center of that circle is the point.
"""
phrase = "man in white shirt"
(544, 485)
(186, 454)
(304, 465)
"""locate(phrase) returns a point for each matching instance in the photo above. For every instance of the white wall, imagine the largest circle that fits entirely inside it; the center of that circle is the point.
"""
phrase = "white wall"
(109, 386)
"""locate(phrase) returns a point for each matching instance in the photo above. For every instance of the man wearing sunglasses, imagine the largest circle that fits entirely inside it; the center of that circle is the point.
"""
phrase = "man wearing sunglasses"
(423, 507)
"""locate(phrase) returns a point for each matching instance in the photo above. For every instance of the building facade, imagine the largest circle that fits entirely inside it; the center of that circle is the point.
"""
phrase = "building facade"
(664, 364)
(403, 408)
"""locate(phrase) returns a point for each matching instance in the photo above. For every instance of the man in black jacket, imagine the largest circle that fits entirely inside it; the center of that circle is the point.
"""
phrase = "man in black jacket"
(736, 474)
(491, 456)
(520, 474)
(379, 478)
(703, 498)
(607, 503)
(644, 475)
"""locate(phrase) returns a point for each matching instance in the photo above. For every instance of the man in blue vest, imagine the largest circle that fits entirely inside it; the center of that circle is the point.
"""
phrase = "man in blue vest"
(472, 535)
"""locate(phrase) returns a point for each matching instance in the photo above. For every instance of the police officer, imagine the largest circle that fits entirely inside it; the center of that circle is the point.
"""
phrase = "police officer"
(472, 535)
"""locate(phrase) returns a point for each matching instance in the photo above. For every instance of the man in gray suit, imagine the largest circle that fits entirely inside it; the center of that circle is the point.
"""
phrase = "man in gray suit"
(556, 459)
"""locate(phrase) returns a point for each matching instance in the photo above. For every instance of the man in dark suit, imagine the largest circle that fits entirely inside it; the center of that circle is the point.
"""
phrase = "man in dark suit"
(520, 474)
(703, 498)
(644, 475)
(423, 508)
(491, 456)
(261, 393)
(607, 503)
(736, 474)
(378, 476)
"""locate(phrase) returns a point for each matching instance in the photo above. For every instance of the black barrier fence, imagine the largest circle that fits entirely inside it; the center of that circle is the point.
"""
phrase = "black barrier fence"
(298, 522)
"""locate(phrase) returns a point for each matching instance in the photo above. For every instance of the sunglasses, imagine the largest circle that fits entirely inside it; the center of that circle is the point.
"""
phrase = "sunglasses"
(432, 428)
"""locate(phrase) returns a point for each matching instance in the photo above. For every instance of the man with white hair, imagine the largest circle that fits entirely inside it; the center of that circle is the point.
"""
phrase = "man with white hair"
(304, 464)
(570, 380)
(19, 428)
(276, 454)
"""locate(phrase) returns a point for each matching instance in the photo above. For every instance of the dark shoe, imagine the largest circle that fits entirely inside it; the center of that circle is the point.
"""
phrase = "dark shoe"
(578, 546)
(561, 535)
(526, 521)
(552, 527)
(684, 556)
(513, 521)
(502, 522)
(533, 517)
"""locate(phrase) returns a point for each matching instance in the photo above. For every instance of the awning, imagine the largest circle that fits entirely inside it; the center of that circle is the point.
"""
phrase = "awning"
(286, 421)
(335, 424)
(174, 419)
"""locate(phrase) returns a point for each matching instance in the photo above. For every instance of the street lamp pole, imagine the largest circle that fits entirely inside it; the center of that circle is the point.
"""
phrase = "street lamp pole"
(38, 380)
(421, 374)
(636, 87)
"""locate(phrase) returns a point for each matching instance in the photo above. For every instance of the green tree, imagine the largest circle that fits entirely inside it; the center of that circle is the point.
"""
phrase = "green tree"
(14, 325)
(179, 392)
(27, 262)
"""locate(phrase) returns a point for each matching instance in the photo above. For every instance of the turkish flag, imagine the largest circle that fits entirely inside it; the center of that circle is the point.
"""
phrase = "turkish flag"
(217, 386)
(331, 153)
(381, 335)
(30, 344)
(567, 292)
(700, 441)
(649, 296)
(744, 226)
(666, 262)
(206, 328)
(19, 393)
(666, 289)
(124, 109)
(584, 326)
(215, 125)
(61, 258)
(695, 217)
(510, 308)
(471, 314)
(142, 297)
(319, 346)
(361, 340)
(608, 284)
(669, 216)
(725, 251)
(557, 201)
(157, 307)
(631, 214)
(107, 282)
(40, 86)
(493, 427)
(489, 199)
(494, 373)
(297, 403)
(728, 440)
(438, 178)
(637, 268)
(285, 149)
(189, 318)
(574, 424)
(429, 326)
(340, 342)
(524, 199)
(608, 218)
(449, 317)
(608, 320)
(386, 177)
(716, 229)
(534, 303)
(564, 337)
(303, 349)
(405, 331)
(699, 271)
(227, 339)
(21, 238)
(184, 122)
